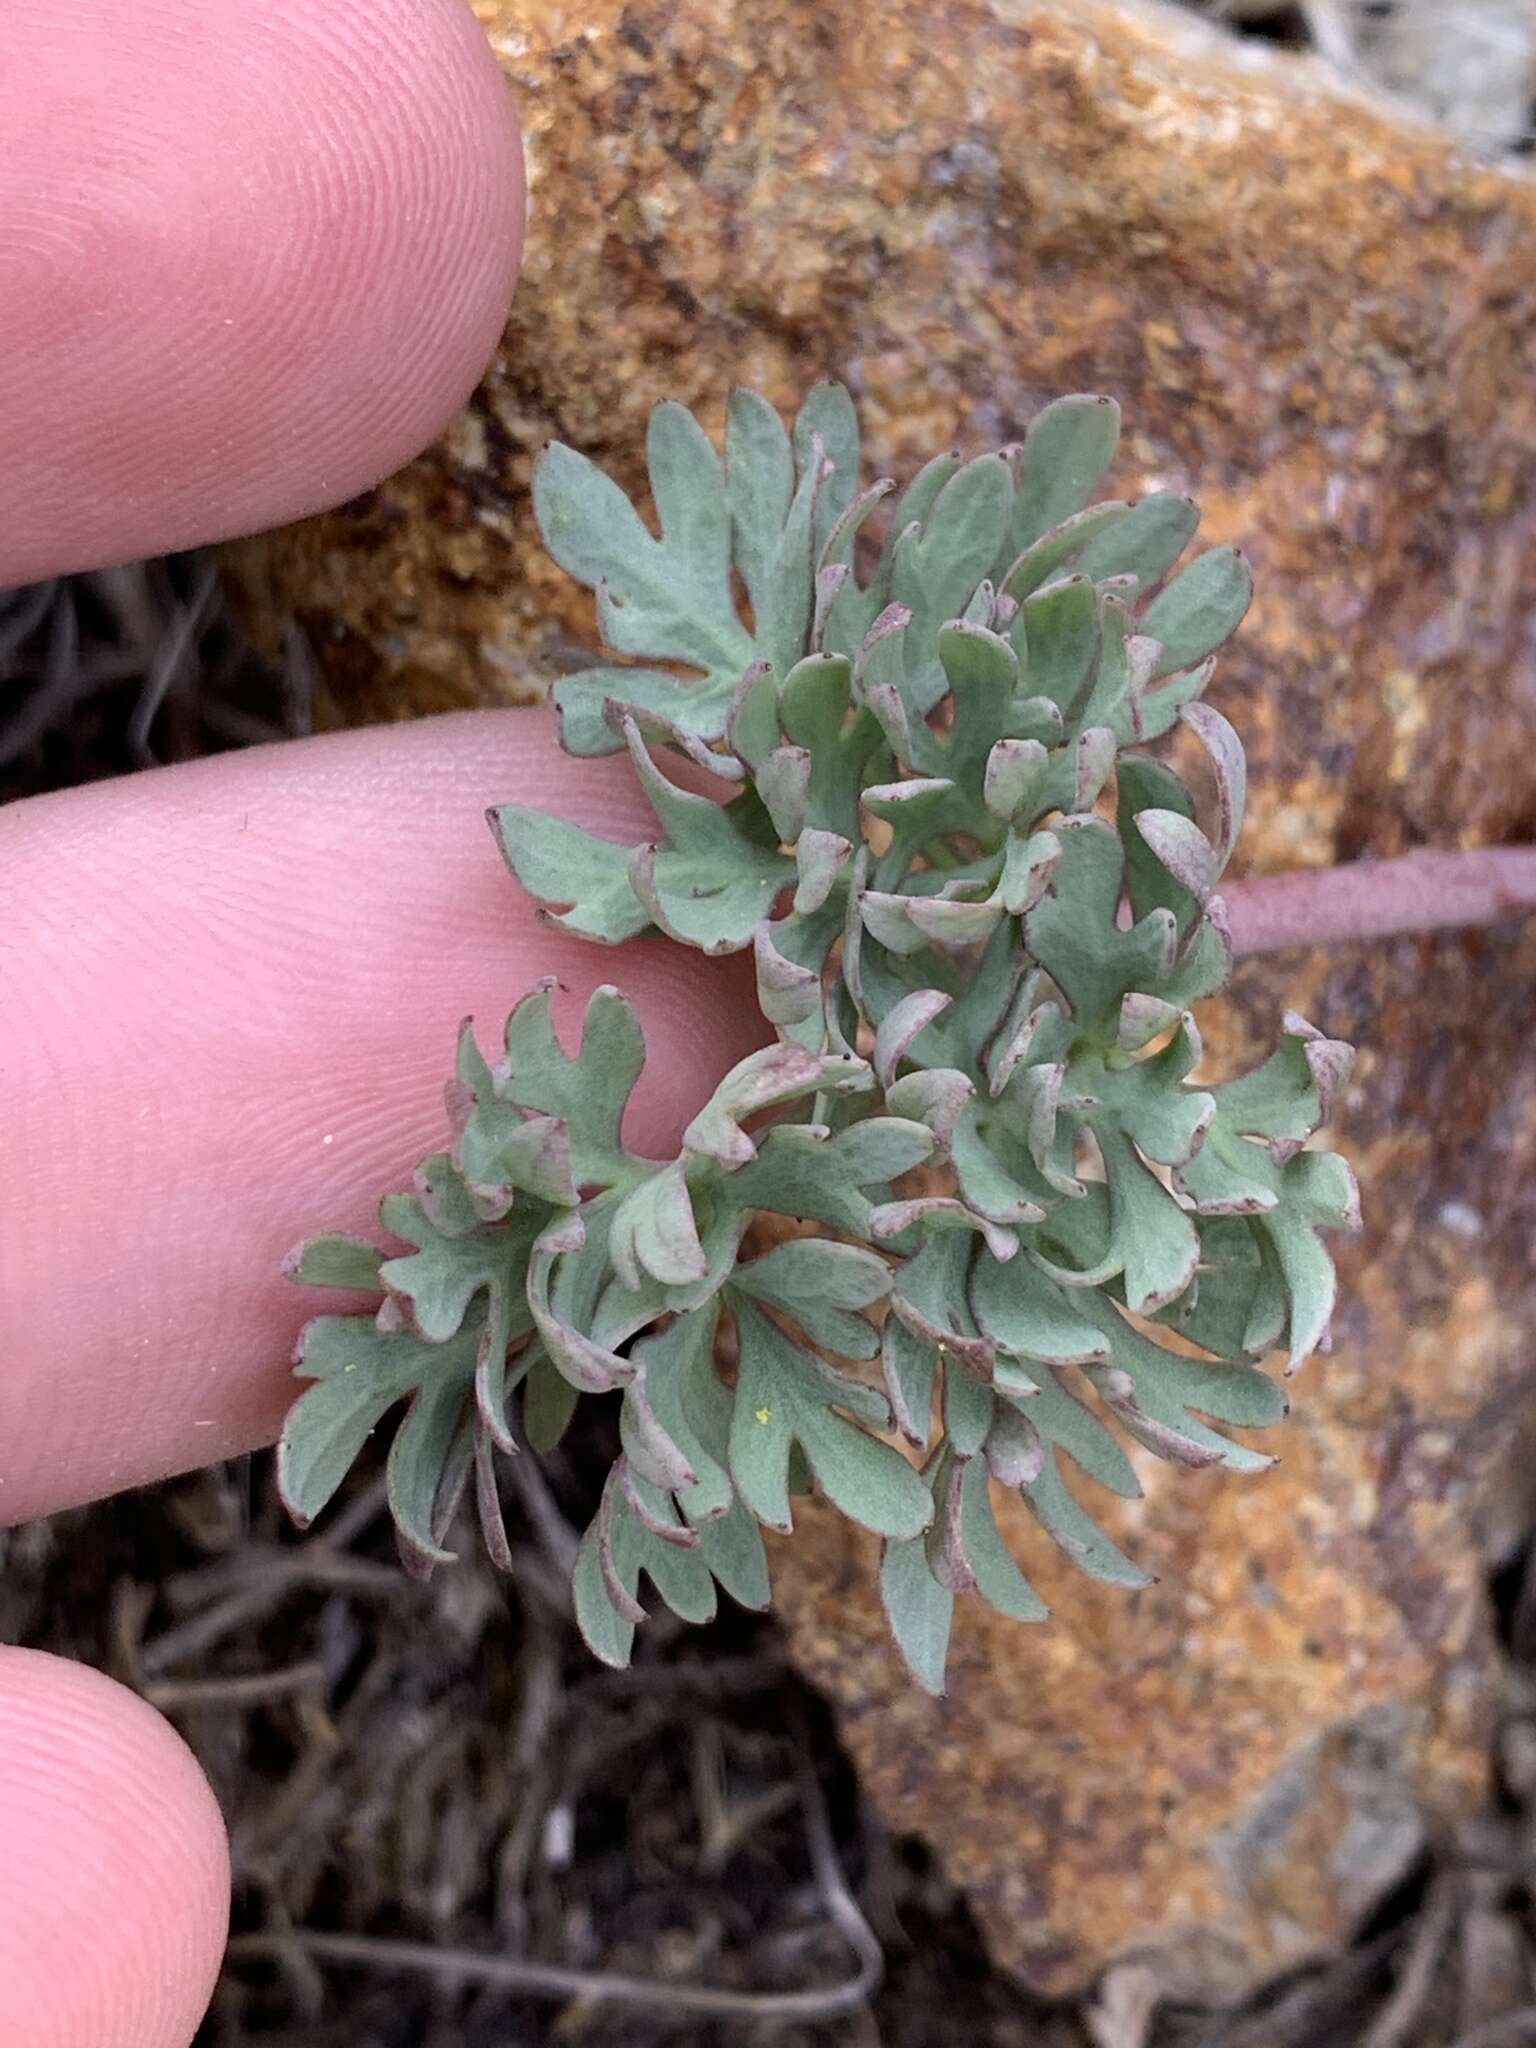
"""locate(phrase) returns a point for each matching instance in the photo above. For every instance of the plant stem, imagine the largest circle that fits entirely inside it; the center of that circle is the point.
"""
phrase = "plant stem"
(1380, 899)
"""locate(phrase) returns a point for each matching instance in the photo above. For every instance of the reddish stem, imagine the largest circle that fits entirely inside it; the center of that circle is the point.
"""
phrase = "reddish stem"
(1377, 899)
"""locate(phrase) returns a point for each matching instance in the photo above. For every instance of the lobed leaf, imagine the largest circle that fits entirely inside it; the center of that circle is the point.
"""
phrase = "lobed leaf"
(786, 1396)
(561, 865)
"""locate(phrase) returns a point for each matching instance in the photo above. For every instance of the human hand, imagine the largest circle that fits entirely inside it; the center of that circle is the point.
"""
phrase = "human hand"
(250, 260)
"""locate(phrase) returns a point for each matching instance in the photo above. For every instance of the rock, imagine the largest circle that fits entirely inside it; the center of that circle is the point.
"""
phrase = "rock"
(1471, 67)
(1323, 323)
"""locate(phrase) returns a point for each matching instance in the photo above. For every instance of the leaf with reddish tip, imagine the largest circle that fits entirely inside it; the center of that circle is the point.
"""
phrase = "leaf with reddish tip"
(654, 1231)
(820, 858)
(710, 897)
(1093, 757)
(660, 730)
(878, 659)
(589, 1093)
(666, 1408)
(1013, 1451)
(936, 1097)
(788, 994)
(916, 806)
(888, 920)
(493, 1527)
(1230, 770)
(1183, 850)
(590, 1367)
(496, 1378)
(1014, 772)
(949, 921)
(777, 1074)
(561, 865)
(783, 781)
(1028, 865)
(648, 1442)
(930, 1296)
(911, 1016)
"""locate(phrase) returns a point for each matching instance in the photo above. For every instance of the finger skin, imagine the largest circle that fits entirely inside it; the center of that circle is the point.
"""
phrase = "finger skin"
(229, 993)
(114, 1881)
(252, 258)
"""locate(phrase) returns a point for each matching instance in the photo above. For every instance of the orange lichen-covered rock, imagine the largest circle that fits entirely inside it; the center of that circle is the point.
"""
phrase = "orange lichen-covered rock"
(1323, 324)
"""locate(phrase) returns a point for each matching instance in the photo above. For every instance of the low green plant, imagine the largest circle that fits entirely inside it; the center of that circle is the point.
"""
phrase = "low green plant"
(971, 1194)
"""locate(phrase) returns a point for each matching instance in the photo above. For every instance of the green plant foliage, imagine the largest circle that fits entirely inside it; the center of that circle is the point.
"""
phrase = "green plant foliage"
(974, 1195)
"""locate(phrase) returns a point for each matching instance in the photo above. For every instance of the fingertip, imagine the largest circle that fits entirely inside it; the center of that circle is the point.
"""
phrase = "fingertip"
(251, 260)
(114, 1881)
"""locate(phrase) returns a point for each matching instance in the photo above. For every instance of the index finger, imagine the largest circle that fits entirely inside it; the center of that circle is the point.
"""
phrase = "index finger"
(229, 993)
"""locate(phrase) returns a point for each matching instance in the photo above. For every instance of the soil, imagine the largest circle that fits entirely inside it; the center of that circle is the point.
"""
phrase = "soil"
(450, 1829)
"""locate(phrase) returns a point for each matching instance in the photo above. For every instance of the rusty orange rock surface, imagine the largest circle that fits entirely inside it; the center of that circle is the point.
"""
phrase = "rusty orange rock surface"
(1323, 324)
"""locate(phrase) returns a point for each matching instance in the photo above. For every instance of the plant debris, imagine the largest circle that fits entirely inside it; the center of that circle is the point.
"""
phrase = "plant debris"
(451, 1830)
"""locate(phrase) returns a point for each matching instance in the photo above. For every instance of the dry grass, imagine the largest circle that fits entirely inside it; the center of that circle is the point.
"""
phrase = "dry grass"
(120, 670)
(451, 1830)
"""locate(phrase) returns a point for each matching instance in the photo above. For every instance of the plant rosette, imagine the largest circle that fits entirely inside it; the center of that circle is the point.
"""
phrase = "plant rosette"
(1006, 1225)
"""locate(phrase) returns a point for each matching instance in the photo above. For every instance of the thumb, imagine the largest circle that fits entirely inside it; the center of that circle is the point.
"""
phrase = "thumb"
(114, 1882)
(230, 994)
